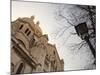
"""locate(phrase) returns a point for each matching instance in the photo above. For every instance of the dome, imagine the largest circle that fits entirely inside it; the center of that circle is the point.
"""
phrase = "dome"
(35, 27)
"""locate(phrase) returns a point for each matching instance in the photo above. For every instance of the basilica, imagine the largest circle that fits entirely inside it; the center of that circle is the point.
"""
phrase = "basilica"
(30, 50)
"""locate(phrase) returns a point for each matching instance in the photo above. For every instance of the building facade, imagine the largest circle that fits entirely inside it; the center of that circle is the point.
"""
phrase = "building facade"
(30, 50)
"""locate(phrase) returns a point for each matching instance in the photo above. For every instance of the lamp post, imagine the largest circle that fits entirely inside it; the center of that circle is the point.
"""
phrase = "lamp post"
(82, 31)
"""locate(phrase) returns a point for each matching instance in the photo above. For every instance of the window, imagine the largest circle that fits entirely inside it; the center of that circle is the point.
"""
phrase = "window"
(21, 42)
(19, 70)
(21, 26)
(26, 30)
(28, 33)
(54, 52)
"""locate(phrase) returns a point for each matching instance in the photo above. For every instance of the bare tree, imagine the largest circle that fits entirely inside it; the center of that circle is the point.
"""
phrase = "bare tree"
(90, 15)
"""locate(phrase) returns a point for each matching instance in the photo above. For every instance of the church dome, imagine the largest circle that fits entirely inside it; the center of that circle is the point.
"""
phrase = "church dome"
(35, 27)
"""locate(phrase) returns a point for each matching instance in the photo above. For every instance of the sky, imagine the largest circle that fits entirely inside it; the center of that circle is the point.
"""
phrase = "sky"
(51, 23)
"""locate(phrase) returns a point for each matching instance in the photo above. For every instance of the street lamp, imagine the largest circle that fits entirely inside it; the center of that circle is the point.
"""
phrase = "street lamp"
(82, 31)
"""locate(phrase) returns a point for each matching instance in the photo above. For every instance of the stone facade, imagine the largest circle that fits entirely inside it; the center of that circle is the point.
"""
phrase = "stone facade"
(30, 50)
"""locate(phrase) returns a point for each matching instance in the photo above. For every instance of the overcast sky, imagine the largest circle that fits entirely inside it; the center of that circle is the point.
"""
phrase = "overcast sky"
(46, 13)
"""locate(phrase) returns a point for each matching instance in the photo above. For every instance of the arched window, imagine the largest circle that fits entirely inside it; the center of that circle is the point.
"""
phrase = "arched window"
(26, 30)
(54, 52)
(21, 42)
(21, 26)
(20, 68)
(28, 33)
